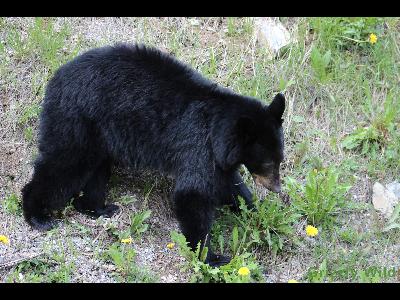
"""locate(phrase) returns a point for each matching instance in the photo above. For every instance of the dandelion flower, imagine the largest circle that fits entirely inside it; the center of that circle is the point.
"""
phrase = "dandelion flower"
(4, 240)
(372, 38)
(311, 230)
(244, 271)
(292, 281)
(127, 241)
(170, 245)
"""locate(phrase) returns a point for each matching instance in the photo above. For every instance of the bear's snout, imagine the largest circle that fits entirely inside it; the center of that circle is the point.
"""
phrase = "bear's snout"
(270, 182)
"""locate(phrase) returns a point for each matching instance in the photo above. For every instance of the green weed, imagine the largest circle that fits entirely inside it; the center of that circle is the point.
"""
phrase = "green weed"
(12, 204)
(321, 198)
(320, 64)
(123, 256)
(204, 273)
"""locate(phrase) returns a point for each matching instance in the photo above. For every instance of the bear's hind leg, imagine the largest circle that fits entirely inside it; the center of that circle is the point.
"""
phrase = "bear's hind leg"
(49, 190)
(35, 212)
(92, 201)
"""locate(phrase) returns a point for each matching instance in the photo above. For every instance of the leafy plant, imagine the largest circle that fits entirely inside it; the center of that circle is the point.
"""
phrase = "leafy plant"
(12, 204)
(269, 224)
(138, 226)
(42, 270)
(363, 137)
(29, 134)
(123, 257)
(365, 276)
(321, 198)
(318, 275)
(203, 272)
(320, 63)
(379, 133)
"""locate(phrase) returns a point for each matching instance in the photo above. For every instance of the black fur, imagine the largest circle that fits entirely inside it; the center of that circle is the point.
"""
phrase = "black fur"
(136, 106)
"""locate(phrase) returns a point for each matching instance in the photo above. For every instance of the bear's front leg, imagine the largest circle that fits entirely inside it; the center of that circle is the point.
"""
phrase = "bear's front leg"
(195, 213)
(239, 188)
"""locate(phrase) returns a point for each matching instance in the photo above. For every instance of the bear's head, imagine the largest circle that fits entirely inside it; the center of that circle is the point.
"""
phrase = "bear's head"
(261, 144)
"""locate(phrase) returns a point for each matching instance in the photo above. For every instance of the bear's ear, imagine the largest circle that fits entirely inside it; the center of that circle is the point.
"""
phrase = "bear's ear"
(277, 106)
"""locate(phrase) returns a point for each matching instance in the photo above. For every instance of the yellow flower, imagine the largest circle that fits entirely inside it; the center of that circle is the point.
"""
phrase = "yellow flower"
(311, 230)
(372, 38)
(244, 271)
(127, 241)
(170, 245)
(293, 281)
(4, 240)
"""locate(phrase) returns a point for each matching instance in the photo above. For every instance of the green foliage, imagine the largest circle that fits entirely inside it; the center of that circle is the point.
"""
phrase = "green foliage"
(238, 26)
(123, 257)
(30, 112)
(349, 236)
(204, 273)
(380, 134)
(346, 33)
(138, 226)
(365, 137)
(15, 41)
(12, 204)
(369, 277)
(394, 220)
(317, 275)
(321, 198)
(42, 271)
(269, 225)
(29, 134)
(127, 199)
(136, 229)
(48, 43)
(320, 63)
(43, 42)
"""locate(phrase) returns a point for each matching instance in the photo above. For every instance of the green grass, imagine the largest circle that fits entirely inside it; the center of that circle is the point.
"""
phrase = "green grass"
(122, 256)
(12, 204)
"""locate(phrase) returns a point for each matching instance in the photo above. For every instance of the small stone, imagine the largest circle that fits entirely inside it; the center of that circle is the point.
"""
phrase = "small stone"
(109, 267)
(394, 187)
(272, 34)
(383, 199)
(194, 22)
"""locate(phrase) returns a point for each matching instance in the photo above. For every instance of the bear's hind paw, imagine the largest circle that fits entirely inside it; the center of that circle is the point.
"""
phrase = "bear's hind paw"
(42, 223)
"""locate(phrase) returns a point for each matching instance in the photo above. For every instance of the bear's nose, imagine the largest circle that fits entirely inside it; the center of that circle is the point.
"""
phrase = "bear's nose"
(272, 185)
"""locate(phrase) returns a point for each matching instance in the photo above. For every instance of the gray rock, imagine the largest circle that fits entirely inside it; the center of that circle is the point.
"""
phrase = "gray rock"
(383, 199)
(394, 187)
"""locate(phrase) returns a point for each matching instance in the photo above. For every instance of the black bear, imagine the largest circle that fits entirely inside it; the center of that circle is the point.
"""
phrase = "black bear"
(137, 106)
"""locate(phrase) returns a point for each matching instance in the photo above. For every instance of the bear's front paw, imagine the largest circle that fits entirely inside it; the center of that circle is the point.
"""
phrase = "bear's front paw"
(108, 210)
(215, 260)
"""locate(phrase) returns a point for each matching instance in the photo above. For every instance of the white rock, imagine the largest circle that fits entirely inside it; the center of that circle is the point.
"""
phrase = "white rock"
(194, 22)
(271, 33)
(394, 187)
(383, 199)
